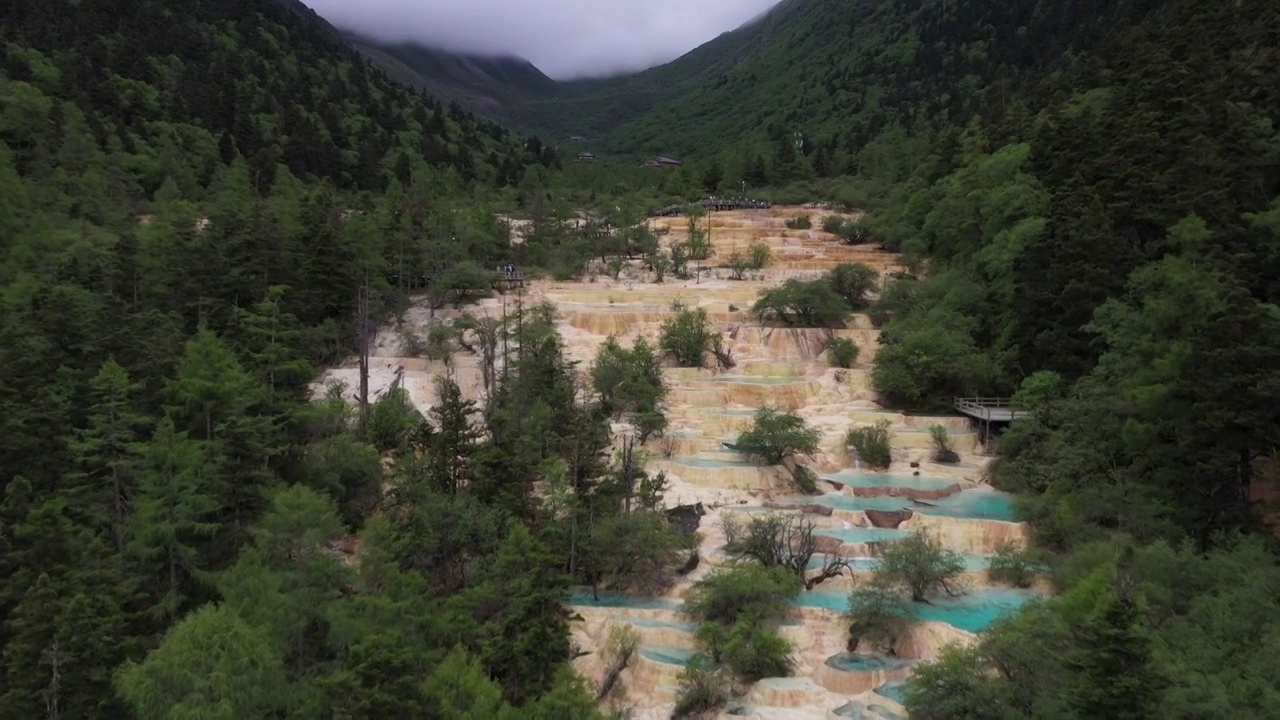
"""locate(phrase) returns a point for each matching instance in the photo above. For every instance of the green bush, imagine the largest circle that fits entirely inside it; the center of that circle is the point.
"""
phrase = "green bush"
(925, 361)
(630, 381)
(878, 614)
(703, 688)
(942, 450)
(1014, 565)
(753, 653)
(871, 444)
(758, 255)
(854, 282)
(687, 336)
(461, 283)
(745, 592)
(922, 565)
(799, 222)
(841, 352)
(774, 436)
(392, 420)
(850, 230)
(806, 480)
(801, 303)
(440, 343)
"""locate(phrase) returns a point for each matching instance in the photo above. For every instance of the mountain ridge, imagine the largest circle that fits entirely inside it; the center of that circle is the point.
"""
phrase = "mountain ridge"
(484, 83)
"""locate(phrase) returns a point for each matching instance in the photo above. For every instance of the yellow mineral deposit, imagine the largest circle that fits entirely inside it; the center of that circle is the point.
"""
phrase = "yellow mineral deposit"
(779, 367)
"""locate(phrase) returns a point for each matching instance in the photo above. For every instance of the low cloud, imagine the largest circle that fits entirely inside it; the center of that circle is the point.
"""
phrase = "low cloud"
(565, 38)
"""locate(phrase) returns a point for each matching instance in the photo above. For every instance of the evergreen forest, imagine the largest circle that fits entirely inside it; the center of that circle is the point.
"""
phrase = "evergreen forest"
(204, 204)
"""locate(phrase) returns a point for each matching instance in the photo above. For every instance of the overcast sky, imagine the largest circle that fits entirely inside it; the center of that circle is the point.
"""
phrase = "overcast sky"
(564, 38)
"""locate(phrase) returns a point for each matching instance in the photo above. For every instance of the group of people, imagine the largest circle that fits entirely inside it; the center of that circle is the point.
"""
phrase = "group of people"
(509, 270)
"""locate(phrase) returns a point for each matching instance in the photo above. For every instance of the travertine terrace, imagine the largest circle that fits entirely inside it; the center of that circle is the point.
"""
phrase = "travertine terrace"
(778, 367)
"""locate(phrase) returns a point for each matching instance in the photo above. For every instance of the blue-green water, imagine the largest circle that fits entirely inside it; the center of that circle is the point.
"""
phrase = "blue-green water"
(973, 612)
(656, 623)
(709, 462)
(862, 535)
(667, 655)
(849, 502)
(853, 478)
(609, 599)
(858, 662)
(851, 710)
(895, 691)
(975, 504)
(886, 713)
(972, 563)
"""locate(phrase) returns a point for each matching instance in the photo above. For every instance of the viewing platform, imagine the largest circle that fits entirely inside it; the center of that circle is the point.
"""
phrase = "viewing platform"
(989, 409)
(717, 204)
(734, 203)
(508, 278)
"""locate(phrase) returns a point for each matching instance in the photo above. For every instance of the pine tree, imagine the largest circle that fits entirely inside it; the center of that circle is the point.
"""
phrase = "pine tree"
(455, 438)
(211, 665)
(1116, 675)
(106, 450)
(175, 515)
(68, 630)
(519, 602)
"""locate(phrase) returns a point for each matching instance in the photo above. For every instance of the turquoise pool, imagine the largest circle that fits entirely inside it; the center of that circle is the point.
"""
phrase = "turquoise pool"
(667, 655)
(978, 504)
(973, 612)
(854, 478)
(609, 599)
(849, 503)
(858, 662)
(656, 623)
(972, 563)
(895, 691)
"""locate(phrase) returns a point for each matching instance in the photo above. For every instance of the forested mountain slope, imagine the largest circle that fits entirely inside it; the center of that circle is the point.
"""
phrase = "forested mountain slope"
(837, 71)
(485, 84)
(256, 78)
(193, 192)
(1099, 238)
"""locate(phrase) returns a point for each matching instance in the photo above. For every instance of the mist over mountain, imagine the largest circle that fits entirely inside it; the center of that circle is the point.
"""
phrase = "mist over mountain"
(566, 39)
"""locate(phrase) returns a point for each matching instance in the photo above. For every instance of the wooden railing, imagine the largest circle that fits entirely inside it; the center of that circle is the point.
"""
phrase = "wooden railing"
(981, 406)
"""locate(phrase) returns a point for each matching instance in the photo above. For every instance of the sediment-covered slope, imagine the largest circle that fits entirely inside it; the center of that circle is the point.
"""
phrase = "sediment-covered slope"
(782, 368)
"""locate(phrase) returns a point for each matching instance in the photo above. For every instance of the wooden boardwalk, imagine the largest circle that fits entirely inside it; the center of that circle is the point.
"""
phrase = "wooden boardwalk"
(989, 410)
(716, 204)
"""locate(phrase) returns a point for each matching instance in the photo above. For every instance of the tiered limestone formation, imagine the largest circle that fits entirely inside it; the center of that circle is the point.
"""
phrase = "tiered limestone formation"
(783, 368)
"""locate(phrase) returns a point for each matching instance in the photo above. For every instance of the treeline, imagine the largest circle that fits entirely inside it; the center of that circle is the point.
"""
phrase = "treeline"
(1102, 247)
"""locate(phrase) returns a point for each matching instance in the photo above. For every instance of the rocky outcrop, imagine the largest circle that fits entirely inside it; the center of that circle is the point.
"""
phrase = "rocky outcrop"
(887, 518)
(686, 518)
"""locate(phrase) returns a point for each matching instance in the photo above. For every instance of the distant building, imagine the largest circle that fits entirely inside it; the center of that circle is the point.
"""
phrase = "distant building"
(586, 157)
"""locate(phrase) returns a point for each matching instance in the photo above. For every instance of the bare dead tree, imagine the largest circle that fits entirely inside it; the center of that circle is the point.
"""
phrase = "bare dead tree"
(723, 354)
(783, 540)
(623, 642)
